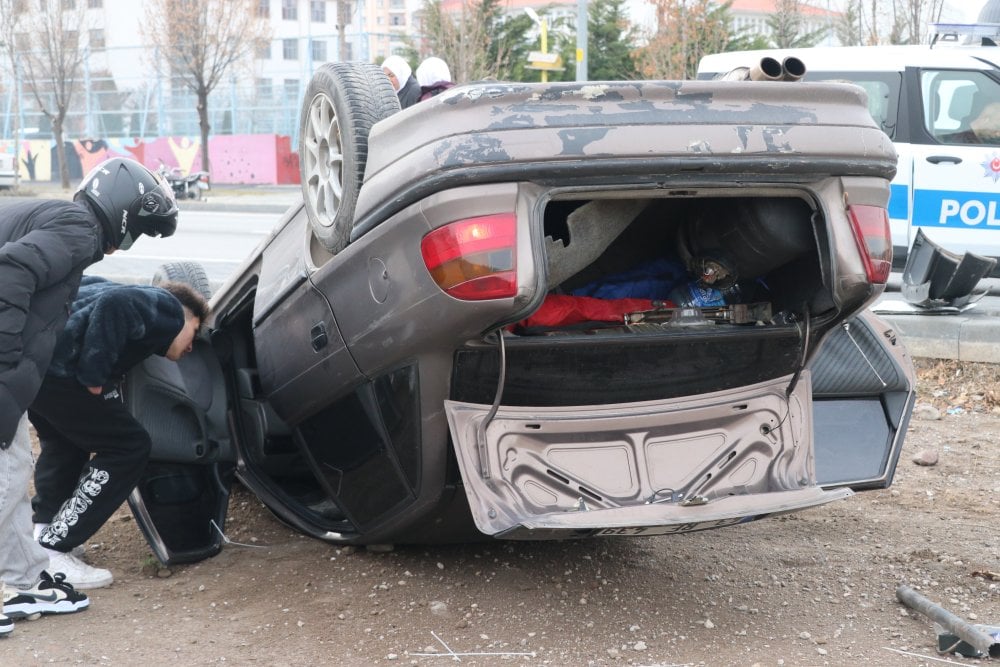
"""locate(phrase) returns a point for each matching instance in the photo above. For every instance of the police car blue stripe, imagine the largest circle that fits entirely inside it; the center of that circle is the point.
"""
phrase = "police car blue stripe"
(960, 210)
(899, 202)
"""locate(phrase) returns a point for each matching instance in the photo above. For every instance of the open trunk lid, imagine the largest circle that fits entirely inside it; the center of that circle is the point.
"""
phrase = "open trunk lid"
(651, 467)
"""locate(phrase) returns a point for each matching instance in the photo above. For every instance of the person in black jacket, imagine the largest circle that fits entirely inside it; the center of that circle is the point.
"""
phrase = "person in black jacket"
(403, 82)
(44, 248)
(79, 410)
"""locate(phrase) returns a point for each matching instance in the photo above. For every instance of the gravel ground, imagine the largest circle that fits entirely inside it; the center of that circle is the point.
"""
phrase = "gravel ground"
(813, 588)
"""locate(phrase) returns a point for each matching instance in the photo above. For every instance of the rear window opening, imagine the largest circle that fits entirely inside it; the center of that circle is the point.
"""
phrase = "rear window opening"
(689, 263)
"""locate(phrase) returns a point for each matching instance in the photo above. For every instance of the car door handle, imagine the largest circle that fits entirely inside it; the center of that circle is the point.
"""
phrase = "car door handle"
(318, 336)
(938, 159)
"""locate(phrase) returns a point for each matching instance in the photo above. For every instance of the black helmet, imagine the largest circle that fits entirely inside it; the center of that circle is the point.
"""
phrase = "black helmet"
(130, 200)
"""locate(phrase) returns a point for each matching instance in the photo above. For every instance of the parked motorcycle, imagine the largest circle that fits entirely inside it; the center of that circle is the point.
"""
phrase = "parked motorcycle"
(189, 186)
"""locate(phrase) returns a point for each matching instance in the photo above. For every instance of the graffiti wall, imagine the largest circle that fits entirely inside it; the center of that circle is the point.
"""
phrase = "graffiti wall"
(235, 159)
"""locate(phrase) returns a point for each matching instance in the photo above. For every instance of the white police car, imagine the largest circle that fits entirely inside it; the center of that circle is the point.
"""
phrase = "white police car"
(940, 104)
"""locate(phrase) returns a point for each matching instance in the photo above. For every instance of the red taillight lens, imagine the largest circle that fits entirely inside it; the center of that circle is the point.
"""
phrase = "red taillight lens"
(871, 231)
(474, 259)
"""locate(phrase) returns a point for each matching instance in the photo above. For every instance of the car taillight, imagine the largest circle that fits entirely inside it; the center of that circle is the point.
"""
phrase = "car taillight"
(871, 231)
(474, 259)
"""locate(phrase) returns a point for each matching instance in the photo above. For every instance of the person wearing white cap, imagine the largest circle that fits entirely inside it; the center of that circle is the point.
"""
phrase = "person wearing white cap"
(434, 77)
(403, 82)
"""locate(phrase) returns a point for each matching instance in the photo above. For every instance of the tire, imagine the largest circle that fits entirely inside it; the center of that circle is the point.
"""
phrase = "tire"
(341, 104)
(190, 273)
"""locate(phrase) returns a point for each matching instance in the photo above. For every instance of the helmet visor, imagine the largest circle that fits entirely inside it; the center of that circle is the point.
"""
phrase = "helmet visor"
(159, 201)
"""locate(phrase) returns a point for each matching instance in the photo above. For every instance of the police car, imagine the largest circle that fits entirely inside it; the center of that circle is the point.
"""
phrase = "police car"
(940, 104)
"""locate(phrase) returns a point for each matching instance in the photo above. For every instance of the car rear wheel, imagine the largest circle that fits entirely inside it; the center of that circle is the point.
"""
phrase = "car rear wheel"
(342, 103)
(190, 273)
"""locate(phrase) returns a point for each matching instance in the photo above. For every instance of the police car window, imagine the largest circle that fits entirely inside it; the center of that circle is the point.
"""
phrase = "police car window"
(882, 89)
(961, 107)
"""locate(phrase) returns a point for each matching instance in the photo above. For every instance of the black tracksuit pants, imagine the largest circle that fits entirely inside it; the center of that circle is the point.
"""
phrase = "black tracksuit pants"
(77, 493)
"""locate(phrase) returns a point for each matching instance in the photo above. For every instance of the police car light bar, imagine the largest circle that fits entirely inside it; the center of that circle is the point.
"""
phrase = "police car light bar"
(950, 32)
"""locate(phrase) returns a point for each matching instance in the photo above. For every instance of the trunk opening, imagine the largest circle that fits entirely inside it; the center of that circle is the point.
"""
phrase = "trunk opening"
(697, 294)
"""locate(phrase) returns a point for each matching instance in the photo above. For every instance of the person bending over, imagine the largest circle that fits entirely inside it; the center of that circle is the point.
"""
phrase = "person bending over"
(93, 451)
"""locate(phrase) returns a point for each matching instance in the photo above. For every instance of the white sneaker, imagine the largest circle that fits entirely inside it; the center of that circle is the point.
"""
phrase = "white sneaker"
(78, 574)
(39, 527)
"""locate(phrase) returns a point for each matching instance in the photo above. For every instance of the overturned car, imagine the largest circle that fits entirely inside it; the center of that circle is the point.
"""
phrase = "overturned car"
(544, 311)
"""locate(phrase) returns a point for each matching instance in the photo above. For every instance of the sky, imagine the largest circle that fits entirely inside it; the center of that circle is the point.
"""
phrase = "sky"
(973, 9)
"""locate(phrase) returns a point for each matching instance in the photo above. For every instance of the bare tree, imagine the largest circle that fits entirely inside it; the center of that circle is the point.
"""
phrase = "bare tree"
(477, 41)
(52, 61)
(686, 31)
(199, 40)
(849, 28)
(910, 17)
(787, 26)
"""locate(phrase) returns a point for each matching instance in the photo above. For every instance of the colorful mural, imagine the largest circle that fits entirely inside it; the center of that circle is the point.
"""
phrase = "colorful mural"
(236, 159)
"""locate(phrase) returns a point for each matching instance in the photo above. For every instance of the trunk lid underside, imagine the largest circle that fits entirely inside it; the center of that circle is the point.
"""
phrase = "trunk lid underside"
(641, 468)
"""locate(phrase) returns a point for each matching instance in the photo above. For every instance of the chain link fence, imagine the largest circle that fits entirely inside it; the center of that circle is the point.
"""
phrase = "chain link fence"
(144, 106)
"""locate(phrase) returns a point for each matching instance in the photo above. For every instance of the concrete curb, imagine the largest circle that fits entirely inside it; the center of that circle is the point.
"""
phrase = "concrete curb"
(234, 207)
(965, 337)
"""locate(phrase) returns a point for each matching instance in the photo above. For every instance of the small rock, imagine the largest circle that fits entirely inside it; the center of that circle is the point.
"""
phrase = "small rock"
(348, 550)
(164, 573)
(708, 624)
(926, 411)
(804, 635)
(926, 457)
(438, 607)
(613, 652)
(391, 656)
(822, 651)
(639, 646)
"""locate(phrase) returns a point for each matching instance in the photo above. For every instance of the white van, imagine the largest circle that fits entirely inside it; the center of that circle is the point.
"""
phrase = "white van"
(941, 107)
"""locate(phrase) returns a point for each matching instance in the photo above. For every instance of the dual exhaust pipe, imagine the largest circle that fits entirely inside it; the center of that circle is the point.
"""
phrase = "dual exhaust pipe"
(770, 69)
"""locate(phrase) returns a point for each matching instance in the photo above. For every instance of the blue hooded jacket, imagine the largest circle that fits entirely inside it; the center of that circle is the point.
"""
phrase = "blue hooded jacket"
(113, 327)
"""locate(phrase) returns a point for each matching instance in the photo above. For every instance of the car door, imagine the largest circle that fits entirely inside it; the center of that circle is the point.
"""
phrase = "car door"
(956, 159)
(181, 500)
(863, 394)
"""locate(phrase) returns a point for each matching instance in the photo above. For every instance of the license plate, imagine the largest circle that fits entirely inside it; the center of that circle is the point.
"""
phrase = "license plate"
(674, 528)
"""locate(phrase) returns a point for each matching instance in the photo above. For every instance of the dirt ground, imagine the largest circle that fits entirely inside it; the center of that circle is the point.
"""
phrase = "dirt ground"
(813, 588)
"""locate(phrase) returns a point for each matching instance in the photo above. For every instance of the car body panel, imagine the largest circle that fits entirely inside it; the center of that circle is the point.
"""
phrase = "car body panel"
(863, 394)
(608, 130)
